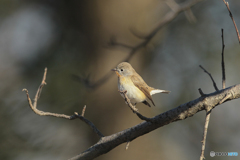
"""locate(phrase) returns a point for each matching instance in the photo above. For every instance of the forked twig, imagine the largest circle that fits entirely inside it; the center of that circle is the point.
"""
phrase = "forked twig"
(208, 111)
(33, 106)
(208, 114)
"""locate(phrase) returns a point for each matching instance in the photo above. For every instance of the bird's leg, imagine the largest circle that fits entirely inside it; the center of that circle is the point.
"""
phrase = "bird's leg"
(128, 102)
(122, 92)
(134, 107)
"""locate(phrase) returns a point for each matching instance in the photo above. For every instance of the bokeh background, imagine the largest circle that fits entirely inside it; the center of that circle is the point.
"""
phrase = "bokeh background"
(72, 37)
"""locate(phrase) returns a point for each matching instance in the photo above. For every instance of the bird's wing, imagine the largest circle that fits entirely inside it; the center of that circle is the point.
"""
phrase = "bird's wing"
(140, 84)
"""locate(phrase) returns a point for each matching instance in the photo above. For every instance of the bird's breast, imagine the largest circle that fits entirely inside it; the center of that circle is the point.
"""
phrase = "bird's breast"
(133, 93)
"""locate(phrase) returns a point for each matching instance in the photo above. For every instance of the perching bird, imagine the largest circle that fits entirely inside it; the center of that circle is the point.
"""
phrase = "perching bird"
(137, 90)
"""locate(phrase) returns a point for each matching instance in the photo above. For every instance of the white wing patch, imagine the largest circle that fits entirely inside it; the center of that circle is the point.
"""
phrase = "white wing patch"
(158, 91)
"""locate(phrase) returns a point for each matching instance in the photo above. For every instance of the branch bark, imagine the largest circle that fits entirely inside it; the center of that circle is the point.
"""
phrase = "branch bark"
(181, 112)
(230, 14)
(208, 114)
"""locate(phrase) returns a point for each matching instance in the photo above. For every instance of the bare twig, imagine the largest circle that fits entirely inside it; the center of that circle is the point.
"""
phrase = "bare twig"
(83, 111)
(113, 42)
(208, 114)
(146, 39)
(92, 85)
(172, 4)
(214, 84)
(223, 65)
(133, 108)
(127, 145)
(226, 97)
(168, 18)
(201, 92)
(181, 112)
(190, 16)
(33, 106)
(89, 123)
(230, 14)
(41, 85)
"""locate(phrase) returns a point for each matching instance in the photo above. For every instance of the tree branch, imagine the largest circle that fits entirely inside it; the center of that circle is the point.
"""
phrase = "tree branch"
(208, 114)
(223, 65)
(33, 106)
(230, 14)
(181, 112)
(208, 111)
(201, 92)
(214, 84)
(146, 39)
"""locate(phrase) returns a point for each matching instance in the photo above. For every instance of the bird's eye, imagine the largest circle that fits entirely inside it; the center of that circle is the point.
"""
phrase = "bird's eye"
(121, 69)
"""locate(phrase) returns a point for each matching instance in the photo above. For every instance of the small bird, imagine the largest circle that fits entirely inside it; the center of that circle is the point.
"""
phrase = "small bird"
(137, 89)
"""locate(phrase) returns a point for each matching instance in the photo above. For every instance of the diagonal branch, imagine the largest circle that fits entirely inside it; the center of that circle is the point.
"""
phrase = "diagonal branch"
(214, 84)
(33, 106)
(181, 112)
(230, 14)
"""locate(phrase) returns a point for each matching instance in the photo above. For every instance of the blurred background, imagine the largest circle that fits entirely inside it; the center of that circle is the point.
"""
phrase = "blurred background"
(72, 38)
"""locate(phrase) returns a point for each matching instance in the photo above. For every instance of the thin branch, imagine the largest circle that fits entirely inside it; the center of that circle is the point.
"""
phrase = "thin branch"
(89, 123)
(41, 86)
(92, 85)
(190, 16)
(214, 84)
(33, 106)
(127, 145)
(133, 108)
(83, 111)
(169, 17)
(172, 4)
(230, 14)
(181, 112)
(201, 92)
(208, 114)
(208, 111)
(113, 42)
(146, 39)
(223, 65)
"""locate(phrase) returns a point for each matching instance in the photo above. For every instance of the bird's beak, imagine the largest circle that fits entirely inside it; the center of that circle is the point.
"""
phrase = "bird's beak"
(114, 69)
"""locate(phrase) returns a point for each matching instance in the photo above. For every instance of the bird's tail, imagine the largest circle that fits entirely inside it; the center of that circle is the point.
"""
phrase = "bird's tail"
(154, 91)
